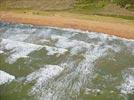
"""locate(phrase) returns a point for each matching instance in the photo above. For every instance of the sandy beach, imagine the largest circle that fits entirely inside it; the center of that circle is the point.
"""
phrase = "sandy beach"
(117, 29)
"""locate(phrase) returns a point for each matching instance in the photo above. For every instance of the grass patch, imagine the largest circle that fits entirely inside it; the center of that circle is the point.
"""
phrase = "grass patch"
(90, 6)
(118, 16)
(131, 8)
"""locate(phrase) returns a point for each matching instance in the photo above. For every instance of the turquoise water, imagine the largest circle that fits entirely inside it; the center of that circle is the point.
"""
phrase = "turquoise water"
(49, 63)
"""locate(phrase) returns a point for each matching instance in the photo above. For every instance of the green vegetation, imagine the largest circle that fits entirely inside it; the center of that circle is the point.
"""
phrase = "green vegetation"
(114, 8)
(125, 3)
(102, 3)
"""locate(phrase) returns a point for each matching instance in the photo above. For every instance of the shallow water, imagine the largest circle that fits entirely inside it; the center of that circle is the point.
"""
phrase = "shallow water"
(45, 63)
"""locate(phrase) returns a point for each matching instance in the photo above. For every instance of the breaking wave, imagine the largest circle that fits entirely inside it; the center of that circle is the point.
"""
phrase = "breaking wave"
(62, 64)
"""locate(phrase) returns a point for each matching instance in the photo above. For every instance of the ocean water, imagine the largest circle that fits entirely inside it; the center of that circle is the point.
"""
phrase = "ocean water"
(50, 63)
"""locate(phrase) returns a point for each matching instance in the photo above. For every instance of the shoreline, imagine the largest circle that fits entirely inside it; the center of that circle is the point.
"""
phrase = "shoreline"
(117, 29)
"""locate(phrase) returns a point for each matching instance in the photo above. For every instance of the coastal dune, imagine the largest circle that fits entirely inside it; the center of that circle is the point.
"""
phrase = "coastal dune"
(117, 29)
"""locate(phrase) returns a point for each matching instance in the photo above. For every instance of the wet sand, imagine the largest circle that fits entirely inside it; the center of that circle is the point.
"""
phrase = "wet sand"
(117, 29)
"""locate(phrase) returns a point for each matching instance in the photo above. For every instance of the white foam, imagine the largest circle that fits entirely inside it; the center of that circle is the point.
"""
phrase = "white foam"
(5, 77)
(89, 91)
(93, 34)
(1, 51)
(78, 46)
(64, 42)
(128, 86)
(54, 50)
(96, 35)
(19, 30)
(18, 49)
(44, 32)
(19, 37)
(130, 45)
(44, 41)
(22, 49)
(42, 75)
